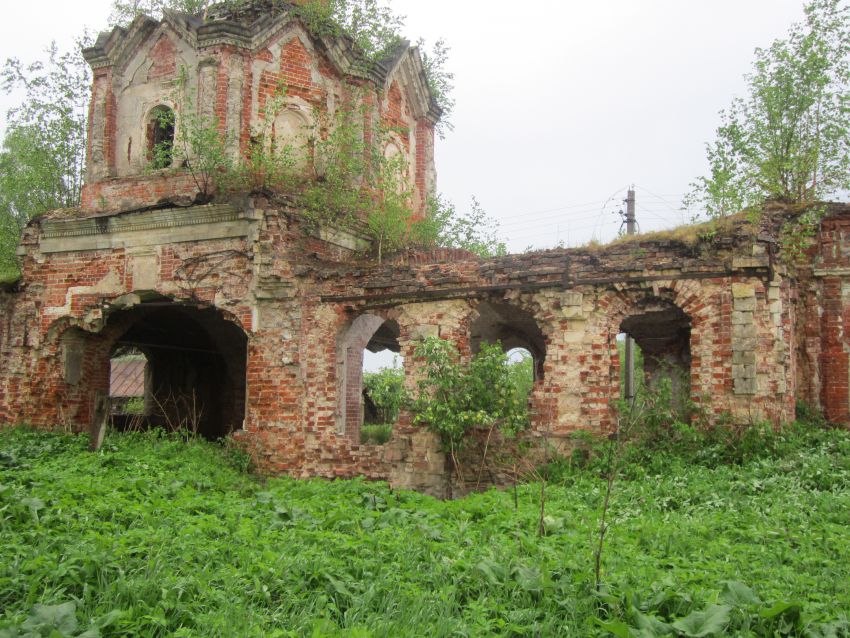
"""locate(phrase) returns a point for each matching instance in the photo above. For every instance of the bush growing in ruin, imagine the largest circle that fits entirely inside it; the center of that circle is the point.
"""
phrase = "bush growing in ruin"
(453, 396)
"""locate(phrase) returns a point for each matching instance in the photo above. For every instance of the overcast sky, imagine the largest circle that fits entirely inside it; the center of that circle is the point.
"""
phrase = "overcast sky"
(560, 105)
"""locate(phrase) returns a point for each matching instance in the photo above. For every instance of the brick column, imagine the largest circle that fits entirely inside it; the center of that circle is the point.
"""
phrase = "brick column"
(834, 359)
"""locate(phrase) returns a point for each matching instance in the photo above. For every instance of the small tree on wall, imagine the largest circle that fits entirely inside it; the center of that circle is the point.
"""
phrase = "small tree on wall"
(789, 139)
(386, 389)
(197, 141)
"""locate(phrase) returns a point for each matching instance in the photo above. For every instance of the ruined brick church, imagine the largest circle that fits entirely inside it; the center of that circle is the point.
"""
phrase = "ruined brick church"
(263, 319)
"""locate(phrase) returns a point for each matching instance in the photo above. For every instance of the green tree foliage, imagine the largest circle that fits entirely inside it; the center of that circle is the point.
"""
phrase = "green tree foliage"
(198, 143)
(454, 396)
(268, 164)
(357, 183)
(789, 139)
(377, 32)
(371, 24)
(521, 373)
(386, 389)
(124, 11)
(386, 386)
(43, 153)
(440, 81)
(474, 231)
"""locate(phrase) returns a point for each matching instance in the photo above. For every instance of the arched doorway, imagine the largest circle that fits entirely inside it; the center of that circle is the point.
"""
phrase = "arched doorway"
(521, 339)
(194, 372)
(129, 388)
(661, 332)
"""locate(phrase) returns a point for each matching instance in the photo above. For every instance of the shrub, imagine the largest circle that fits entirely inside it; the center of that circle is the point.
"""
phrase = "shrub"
(454, 396)
(386, 389)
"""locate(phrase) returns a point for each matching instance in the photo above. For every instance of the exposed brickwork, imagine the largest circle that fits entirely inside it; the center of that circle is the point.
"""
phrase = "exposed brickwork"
(139, 191)
(263, 319)
(424, 159)
(395, 115)
(233, 82)
(163, 57)
(110, 129)
(304, 306)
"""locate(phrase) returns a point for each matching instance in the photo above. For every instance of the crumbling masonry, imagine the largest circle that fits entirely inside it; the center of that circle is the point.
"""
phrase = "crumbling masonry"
(263, 319)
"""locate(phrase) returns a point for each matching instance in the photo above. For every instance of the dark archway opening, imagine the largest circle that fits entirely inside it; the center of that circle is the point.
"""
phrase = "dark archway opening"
(195, 367)
(662, 334)
(513, 327)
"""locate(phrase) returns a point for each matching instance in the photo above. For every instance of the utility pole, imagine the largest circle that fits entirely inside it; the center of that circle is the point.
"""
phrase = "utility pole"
(630, 344)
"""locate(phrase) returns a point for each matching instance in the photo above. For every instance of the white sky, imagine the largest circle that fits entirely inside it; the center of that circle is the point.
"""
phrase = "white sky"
(560, 104)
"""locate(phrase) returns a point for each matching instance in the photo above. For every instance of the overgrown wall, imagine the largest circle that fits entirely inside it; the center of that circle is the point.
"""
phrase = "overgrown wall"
(749, 333)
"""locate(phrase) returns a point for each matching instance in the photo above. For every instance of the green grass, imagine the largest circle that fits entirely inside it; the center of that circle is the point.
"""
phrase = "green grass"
(376, 433)
(156, 537)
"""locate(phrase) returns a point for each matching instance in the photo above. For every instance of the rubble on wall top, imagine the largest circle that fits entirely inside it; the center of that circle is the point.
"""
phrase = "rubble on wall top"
(248, 11)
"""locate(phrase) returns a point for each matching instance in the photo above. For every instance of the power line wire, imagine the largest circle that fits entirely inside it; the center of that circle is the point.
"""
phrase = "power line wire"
(550, 210)
(551, 220)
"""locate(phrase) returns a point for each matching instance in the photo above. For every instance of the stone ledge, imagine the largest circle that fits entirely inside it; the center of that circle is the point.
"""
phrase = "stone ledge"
(831, 272)
(167, 226)
(342, 238)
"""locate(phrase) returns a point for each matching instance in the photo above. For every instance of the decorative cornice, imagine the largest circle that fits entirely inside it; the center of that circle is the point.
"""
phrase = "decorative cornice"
(117, 47)
(96, 58)
(135, 222)
(218, 33)
(837, 271)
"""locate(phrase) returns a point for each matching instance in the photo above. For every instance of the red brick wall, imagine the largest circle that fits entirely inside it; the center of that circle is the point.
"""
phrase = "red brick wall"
(834, 355)
(423, 159)
(163, 59)
(297, 335)
(129, 193)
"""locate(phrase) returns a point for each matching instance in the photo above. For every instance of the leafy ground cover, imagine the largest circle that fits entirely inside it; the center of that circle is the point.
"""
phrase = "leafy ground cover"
(153, 536)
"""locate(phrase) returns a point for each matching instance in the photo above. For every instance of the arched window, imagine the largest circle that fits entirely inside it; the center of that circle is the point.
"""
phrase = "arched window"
(661, 347)
(514, 328)
(160, 135)
(371, 379)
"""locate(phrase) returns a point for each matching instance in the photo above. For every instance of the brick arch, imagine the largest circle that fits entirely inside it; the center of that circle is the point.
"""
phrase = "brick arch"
(702, 304)
(529, 306)
(353, 339)
(209, 343)
(512, 322)
(109, 319)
